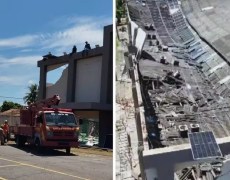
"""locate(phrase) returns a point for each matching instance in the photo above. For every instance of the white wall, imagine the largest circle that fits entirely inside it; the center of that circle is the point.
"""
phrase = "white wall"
(60, 87)
(88, 80)
(133, 27)
(158, 161)
(140, 39)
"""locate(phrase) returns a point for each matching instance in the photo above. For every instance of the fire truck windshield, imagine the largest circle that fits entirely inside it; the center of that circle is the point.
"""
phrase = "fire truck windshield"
(60, 119)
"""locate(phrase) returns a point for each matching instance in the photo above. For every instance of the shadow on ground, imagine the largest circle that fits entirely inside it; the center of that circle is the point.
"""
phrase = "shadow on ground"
(43, 152)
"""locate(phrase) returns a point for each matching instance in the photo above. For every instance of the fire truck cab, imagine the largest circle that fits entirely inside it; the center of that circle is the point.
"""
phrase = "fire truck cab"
(47, 127)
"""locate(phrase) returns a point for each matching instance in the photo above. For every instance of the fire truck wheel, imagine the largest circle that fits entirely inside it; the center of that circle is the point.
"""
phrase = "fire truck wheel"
(5, 140)
(2, 140)
(18, 141)
(68, 151)
(38, 145)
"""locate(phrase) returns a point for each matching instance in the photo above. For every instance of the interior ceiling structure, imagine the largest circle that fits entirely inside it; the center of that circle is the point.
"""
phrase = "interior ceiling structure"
(185, 81)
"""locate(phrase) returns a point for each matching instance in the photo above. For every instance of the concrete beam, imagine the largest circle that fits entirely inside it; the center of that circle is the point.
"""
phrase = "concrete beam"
(175, 158)
(139, 115)
(66, 58)
(42, 83)
(71, 81)
(87, 106)
(105, 128)
(107, 66)
(135, 36)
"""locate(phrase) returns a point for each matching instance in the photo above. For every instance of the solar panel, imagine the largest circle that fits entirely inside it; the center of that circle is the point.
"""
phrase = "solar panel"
(204, 145)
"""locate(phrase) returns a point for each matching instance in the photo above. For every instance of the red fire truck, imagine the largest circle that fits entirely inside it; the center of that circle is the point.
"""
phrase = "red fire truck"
(47, 127)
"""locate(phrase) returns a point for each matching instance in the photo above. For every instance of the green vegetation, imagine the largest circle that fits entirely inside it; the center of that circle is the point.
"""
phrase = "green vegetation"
(9, 105)
(120, 10)
(32, 95)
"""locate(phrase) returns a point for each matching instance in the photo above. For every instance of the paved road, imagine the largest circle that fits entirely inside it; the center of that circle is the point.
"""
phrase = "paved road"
(26, 164)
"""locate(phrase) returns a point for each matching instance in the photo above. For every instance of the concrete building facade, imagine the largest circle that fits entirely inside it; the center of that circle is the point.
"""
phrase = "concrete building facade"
(85, 84)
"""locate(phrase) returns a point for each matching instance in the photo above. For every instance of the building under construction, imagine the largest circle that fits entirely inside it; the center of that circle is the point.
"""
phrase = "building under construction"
(85, 86)
(181, 51)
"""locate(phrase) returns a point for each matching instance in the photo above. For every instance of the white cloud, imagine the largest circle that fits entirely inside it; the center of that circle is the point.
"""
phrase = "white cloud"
(21, 60)
(74, 31)
(13, 80)
(26, 50)
(73, 20)
(76, 35)
(31, 82)
(80, 29)
(20, 41)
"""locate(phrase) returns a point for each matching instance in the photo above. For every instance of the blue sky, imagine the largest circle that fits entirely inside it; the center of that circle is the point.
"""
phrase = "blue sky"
(31, 29)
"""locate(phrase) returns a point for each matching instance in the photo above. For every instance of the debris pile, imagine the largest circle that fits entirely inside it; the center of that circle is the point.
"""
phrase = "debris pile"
(182, 100)
(207, 171)
(184, 83)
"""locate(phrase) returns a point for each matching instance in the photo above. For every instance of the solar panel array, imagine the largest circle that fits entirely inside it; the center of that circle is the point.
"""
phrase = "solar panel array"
(204, 145)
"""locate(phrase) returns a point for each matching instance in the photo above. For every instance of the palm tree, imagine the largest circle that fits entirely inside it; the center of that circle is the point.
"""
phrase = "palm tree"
(32, 95)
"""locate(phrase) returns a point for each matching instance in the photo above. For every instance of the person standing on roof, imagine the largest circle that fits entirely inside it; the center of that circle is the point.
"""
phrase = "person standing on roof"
(86, 49)
(74, 50)
(87, 46)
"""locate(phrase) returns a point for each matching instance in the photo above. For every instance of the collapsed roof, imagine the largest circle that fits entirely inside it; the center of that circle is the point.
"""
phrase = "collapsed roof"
(185, 83)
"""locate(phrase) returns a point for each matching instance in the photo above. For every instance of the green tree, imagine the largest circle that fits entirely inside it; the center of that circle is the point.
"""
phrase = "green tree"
(9, 105)
(120, 10)
(32, 95)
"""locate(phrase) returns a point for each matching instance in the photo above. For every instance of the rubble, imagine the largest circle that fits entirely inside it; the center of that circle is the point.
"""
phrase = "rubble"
(204, 170)
(176, 83)
(185, 83)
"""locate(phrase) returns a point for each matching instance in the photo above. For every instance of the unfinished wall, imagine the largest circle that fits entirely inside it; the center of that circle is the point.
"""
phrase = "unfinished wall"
(60, 87)
(157, 161)
(88, 80)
